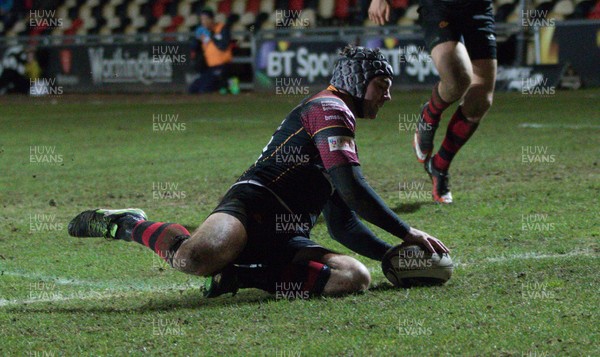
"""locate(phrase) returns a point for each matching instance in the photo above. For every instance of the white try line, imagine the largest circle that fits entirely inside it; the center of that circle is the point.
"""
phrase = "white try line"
(558, 126)
(527, 256)
(119, 290)
(57, 296)
(106, 284)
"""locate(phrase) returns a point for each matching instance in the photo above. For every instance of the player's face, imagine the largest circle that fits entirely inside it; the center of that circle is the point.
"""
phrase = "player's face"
(206, 21)
(378, 92)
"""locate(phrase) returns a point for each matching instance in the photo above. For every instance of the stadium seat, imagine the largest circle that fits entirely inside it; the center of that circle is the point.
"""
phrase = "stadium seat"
(224, 7)
(176, 22)
(269, 24)
(341, 9)
(220, 18)
(133, 10)
(326, 9)
(247, 19)
(296, 5)
(238, 7)
(211, 4)
(411, 16)
(191, 22)
(307, 16)
(267, 6)
(562, 10)
(253, 6)
(184, 8)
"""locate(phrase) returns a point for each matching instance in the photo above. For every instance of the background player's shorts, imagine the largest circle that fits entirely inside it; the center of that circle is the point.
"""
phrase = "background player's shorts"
(468, 21)
(274, 234)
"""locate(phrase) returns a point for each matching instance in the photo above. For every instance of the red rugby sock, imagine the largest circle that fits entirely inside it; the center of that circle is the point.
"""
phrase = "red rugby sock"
(163, 238)
(458, 133)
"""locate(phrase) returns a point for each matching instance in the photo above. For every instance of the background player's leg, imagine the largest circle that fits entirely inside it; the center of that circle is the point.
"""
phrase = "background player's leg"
(478, 99)
(215, 244)
(476, 102)
(454, 66)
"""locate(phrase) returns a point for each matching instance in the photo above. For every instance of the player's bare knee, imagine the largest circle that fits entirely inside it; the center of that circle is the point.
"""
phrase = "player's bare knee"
(476, 111)
(456, 86)
(189, 261)
(486, 103)
(348, 276)
(198, 259)
(361, 278)
(462, 82)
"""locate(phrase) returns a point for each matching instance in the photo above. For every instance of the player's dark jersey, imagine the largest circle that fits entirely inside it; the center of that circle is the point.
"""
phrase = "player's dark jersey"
(315, 136)
(468, 21)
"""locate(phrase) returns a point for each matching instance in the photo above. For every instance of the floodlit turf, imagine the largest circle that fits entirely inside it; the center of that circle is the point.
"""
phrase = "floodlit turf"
(523, 231)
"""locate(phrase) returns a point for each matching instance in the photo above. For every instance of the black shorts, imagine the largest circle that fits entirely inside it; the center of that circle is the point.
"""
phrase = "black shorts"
(275, 234)
(468, 21)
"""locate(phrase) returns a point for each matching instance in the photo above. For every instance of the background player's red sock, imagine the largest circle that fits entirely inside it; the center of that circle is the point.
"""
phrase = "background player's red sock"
(163, 238)
(436, 105)
(295, 280)
(459, 131)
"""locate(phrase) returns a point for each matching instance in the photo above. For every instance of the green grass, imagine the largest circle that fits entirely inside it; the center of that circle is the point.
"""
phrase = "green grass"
(515, 291)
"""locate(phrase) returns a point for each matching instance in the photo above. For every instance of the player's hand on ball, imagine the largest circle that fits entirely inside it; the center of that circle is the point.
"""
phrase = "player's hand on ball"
(431, 243)
(379, 11)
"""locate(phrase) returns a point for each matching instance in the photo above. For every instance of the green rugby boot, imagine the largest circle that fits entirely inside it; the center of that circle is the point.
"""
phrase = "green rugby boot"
(103, 222)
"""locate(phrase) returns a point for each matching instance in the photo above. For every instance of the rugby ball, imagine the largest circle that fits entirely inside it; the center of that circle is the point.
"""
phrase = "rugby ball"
(408, 265)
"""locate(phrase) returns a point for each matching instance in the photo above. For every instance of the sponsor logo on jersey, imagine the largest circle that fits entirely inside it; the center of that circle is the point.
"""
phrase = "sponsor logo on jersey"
(332, 105)
(334, 117)
(341, 143)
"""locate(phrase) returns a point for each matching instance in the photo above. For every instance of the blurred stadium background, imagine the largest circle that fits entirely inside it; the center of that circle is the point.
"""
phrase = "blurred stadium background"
(129, 46)
(523, 233)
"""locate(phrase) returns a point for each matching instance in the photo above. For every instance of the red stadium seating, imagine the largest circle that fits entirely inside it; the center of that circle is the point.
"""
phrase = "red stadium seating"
(139, 16)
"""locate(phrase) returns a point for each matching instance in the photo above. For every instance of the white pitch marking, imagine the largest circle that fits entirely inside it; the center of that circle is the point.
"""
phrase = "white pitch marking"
(92, 295)
(130, 284)
(148, 287)
(530, 255)
(558, 126)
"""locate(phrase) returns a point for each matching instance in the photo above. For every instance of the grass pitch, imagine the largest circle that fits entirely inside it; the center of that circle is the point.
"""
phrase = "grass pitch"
(523, 231)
